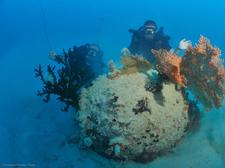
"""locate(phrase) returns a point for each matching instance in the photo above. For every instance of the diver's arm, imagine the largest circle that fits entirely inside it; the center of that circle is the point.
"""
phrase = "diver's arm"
(132, 31)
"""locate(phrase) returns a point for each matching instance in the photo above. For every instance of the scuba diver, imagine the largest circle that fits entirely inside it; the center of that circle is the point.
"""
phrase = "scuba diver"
(146, 38)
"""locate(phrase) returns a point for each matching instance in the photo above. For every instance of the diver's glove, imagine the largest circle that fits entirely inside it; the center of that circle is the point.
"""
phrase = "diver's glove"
(184, 44)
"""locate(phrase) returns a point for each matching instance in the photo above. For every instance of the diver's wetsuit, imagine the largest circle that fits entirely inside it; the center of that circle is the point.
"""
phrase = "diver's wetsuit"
(141, 44)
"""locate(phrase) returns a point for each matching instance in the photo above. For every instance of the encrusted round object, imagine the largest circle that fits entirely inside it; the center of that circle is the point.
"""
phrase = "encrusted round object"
(121, 119)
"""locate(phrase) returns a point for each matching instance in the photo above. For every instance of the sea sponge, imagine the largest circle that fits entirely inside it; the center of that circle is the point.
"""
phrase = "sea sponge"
(200, 70)
(169, 64)
(127, 122)
(113, 71)
(203, 69)
(134, 63)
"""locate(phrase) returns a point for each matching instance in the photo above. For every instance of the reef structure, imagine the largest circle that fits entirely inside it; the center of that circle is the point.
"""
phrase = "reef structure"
(203, 69)
(200, 70)
(169, 64)
(79, 66)
(139, 111)
(125, 121)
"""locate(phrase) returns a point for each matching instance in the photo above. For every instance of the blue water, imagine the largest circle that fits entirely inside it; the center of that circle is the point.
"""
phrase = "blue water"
(32, 132)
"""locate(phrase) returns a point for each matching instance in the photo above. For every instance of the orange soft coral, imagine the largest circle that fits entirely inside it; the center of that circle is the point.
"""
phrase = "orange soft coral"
(169, 64)
(204, 72)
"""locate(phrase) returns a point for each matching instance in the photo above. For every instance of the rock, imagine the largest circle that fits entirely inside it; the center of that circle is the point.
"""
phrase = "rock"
(107, 112)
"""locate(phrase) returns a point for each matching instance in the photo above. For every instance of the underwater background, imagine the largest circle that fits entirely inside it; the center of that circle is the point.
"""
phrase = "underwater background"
(33, 132)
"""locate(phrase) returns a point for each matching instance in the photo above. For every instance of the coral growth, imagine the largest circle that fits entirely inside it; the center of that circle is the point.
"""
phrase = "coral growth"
(205, 74)
(113, 71)
(169, 64)
(124, 121)
(80, 66)
(132, 64)
(200, 70)
(142, 106)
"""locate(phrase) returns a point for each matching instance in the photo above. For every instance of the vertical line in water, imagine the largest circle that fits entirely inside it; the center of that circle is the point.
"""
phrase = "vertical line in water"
(44, 23)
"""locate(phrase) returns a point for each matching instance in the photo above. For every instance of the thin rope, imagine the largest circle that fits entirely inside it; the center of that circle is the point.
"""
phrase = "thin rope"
(44, 23)
(99, 30)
